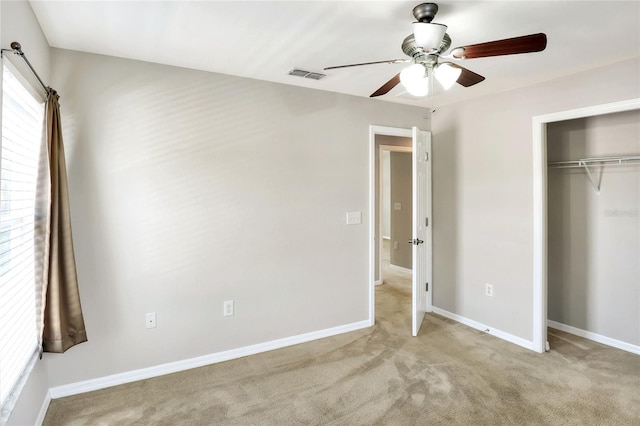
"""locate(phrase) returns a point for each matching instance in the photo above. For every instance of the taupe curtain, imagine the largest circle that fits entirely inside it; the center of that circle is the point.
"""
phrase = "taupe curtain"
(62, 322)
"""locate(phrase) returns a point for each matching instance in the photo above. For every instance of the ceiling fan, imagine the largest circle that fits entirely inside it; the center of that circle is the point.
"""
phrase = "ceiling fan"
(427, 46)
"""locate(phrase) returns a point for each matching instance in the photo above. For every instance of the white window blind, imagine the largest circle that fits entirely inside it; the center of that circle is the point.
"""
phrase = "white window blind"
(22, 117)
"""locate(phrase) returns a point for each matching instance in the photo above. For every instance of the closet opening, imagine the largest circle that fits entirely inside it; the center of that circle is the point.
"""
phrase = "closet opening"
(593, 233)
(587, 225)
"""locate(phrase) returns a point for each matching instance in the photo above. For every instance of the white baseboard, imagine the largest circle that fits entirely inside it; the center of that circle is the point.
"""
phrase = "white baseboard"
(485, 328)
(595, 337)
(43, 409)
(400, 268)
(173, 367)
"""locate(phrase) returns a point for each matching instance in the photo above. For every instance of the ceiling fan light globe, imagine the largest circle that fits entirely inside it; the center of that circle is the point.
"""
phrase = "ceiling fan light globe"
(412, 74)
(447, 75)
(419, 88)
(428, 35)
(414, 80)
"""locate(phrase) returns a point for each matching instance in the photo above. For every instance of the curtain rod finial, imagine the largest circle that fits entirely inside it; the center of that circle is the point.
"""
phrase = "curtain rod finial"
(16, 46)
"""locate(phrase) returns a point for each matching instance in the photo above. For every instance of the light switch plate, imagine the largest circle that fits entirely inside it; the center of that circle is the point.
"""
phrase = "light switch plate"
(397, 206)
(354, 218)
(228, 308)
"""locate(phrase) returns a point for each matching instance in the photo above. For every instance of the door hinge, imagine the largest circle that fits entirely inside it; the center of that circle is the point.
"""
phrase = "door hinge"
(426, 157)
(426, 287)
(426, 221)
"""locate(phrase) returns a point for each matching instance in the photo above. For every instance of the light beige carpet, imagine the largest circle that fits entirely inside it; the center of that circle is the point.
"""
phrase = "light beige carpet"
(448, 375)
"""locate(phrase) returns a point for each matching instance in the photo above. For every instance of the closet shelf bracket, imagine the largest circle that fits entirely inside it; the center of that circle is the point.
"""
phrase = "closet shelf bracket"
(593, 182)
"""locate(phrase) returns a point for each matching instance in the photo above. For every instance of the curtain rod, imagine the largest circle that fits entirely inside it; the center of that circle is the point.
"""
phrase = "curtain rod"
(17, 49)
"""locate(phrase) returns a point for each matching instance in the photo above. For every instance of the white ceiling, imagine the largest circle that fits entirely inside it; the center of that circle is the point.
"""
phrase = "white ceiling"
(265, 39)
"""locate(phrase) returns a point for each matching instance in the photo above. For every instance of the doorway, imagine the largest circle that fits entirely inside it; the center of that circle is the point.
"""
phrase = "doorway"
(394, 207)
(420, 238)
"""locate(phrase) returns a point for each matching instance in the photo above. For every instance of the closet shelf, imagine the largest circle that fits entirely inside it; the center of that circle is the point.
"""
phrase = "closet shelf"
(627, 160)
(596, 161)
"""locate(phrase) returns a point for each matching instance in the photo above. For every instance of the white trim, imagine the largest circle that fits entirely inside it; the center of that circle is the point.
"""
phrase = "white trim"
(390, 131)
(429, 239)
(43, 409)
(186, 364)
(396, 148)
(27, 80)
(619, 344)
(400, 268)
(372, 225)
(14, 395)
(373, 131)
(591, 111)
(540, 207)
(485, 328)
(539, 237)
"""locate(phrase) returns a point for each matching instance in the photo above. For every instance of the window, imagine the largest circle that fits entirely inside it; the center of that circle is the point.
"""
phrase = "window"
(22, 123)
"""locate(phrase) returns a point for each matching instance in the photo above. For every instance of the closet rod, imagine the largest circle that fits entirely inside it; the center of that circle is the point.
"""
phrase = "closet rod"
(17, 49)
(596, 161)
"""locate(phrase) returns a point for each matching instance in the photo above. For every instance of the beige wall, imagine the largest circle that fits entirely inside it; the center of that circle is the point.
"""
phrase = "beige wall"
(594, 239)
(401, 220)
(191, 188)
(386, 195)
(483, 192)
(18, 23)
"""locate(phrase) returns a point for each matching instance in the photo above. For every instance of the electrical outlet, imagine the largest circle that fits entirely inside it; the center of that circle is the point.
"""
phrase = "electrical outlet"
(228, 308)
(150, 320)
(489, 290)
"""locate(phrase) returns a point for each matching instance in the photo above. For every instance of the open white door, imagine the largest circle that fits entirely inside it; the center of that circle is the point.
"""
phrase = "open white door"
(421, 240)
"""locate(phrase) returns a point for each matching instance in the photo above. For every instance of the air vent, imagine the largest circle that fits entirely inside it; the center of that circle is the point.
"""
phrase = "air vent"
(306, 74)
(314, 75)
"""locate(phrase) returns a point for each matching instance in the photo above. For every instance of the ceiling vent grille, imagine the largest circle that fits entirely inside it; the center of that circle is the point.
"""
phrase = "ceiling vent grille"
(306, 74)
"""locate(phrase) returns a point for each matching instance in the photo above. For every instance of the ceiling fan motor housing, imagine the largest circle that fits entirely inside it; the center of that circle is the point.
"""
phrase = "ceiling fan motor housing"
(411, 49)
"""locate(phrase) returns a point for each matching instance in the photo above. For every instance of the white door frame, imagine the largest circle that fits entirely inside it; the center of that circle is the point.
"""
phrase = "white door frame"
(540, 206)
(378, 232)
(373, 131)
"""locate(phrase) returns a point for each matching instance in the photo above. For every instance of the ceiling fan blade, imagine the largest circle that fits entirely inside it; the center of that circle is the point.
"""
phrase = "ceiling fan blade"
(510, 46)
(385, 88)
(388, 61)
(467, 77)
